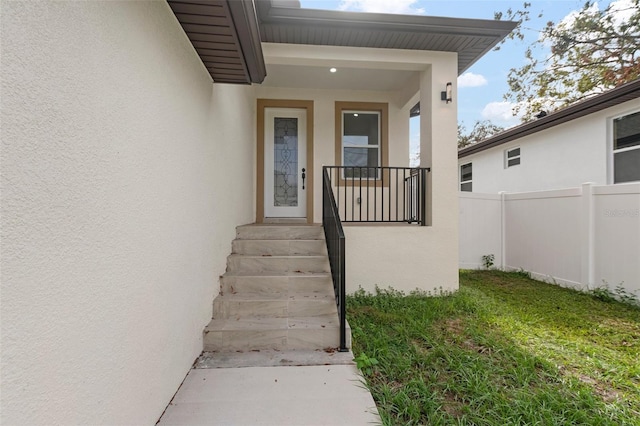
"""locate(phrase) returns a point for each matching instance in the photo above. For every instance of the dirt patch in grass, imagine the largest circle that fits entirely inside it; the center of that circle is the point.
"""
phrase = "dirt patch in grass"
(420, 347)
(452, 406)
(601, 389)
(454, 326)
(473, 346)
(455, 332)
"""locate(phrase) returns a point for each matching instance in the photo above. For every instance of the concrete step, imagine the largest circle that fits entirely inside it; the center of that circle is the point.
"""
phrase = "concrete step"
(277, 293)
(279, 232)
(273, 358)
(280, 247)
(267, 283)
(275, 305)
(308, 333)
(246, 264)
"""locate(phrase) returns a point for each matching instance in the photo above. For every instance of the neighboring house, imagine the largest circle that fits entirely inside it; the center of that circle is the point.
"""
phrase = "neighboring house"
(570, 202)
(596, 140)
(125, 171)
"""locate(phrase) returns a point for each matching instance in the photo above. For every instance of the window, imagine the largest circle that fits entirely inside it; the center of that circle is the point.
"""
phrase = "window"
(361, 143)
(361, 139)
(466, 176)
(511, 157)
(626, 148)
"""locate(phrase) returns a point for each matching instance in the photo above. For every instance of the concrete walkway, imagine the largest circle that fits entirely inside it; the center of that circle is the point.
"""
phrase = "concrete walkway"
(225, 390)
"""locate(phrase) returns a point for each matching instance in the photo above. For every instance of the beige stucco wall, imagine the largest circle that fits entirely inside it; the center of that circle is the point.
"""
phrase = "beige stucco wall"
(116, 212)
(438, 150)
(404, 257)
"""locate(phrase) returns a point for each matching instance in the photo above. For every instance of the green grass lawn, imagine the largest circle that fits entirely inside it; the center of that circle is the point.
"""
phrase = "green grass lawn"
(504, 350)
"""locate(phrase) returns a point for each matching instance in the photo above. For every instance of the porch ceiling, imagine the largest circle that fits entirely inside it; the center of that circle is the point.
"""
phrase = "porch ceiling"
(319, 77)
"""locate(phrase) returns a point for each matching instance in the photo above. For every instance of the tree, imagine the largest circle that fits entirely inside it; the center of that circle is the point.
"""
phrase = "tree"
(591, 51)
(481, 130)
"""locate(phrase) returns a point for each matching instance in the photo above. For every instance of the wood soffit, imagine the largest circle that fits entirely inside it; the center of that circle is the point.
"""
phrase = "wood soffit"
(225, 35)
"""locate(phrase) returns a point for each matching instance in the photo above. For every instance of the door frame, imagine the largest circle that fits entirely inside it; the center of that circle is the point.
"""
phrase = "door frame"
(282, 103)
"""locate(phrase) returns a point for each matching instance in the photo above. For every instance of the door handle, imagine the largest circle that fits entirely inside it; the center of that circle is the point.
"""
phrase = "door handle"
(303, 176)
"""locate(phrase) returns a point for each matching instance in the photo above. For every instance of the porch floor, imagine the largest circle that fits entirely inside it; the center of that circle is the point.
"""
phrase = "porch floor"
(331, 393)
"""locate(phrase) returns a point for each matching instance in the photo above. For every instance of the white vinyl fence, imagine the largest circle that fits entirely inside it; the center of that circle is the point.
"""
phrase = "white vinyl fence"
(579, 237)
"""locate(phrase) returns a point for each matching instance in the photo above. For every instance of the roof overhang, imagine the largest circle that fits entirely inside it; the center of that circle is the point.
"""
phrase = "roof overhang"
(225, 35)
(228, 34)
(624, 93)
(469, 38)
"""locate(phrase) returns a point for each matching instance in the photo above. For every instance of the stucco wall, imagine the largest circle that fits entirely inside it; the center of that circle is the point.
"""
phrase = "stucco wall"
(428, 256)
(118, 208)
(403, 257)
(438, 124)
(563, 156)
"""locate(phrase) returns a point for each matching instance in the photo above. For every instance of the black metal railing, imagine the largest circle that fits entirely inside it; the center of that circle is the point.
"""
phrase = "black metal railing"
(380, 194)
(334, 236)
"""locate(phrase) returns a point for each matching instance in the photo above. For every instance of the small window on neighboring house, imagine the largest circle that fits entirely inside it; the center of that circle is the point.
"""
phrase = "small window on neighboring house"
(511, 157)
(466, 175)
(626, 148)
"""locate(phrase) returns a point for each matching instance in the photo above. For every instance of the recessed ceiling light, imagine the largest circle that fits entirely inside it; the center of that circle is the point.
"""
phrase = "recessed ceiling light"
(355, 115)
(333, 69)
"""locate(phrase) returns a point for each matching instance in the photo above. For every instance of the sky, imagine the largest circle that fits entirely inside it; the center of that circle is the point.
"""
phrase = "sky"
(482, 87)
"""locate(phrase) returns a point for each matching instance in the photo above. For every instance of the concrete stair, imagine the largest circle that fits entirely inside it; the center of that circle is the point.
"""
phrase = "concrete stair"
(277, 293)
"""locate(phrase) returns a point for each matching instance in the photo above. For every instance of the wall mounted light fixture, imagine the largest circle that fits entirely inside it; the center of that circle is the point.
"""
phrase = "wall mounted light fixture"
(447, 95)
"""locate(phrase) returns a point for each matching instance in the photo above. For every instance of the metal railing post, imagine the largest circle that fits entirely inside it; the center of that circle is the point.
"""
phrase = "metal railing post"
(423, 197)
(343, 293)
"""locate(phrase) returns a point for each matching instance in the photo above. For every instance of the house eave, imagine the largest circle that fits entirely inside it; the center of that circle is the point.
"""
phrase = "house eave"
(470, 38)
(613, 97)
(227, 34)
(226, 37)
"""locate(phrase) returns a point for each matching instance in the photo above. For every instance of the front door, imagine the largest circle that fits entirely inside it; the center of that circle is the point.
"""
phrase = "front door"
(285, 168)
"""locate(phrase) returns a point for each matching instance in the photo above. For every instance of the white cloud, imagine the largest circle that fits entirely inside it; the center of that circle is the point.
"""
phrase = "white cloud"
(500, 112)
(571, 17)
(621, 11)
(406, 7)
(469, 79)
(414, 149)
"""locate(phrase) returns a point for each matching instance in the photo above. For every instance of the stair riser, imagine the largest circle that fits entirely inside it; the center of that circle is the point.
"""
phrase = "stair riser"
(280, 247)
(267, 232)
(277, 293)
(225, 309)
(248, 340)
(267, 264)
(275, 285)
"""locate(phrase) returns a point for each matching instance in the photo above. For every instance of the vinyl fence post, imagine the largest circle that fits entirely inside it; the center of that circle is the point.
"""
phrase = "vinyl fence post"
(587, 237)
(503, 231)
